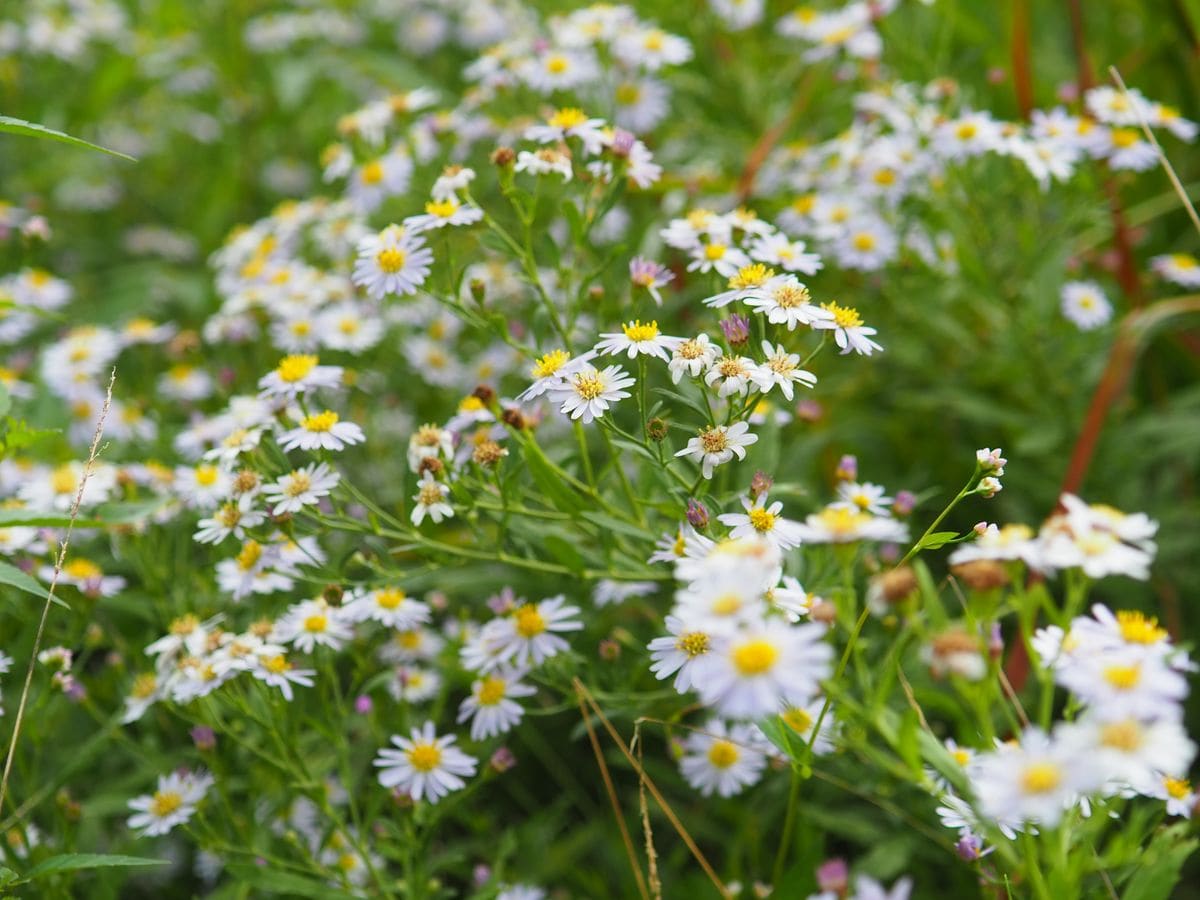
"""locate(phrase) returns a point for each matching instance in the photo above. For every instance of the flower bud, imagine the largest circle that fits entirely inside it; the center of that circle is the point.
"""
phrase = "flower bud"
(502, 760)
(514, 419)
(697, 514)
(760, 484)
(656, 430)
(847, 469)
(833, 875)
(333, 594)
(488, 454)
(904, 504)
(485, 394)
(503, 157)
(609, 650)
(478, 290)
(981, 574)
(736, 329)
(204, 738)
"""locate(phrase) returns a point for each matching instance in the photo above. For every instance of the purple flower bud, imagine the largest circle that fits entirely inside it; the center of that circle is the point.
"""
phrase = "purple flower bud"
(697, 514)
(622, 142)
(847, 469)
(996, 642)
(481, 875)
(833, 875)
(502, 760)
(203, 737)
(969, 847)
(760, 484)
(362, 704)
(809, 411)
(736, 330)
(904, 504)
(503, 602)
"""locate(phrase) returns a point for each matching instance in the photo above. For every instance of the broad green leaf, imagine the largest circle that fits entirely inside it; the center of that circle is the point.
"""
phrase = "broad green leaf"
(33, 518)
(547, 479)
(32, 129)
(69, 862)
(129, 512)
(612, 523)
(7, 876)
(1160, 865)
(564, 552)
(274, 881)
(937, 539)
(14, 577)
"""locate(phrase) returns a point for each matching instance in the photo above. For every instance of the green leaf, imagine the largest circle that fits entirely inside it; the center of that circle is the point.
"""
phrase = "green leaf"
(31, 129)
(69, 862)
(564, 552)
(14, 577)
(547, 479)
(1160, 865)
(33, 518)
(5, 400)
(612, 523)
(274, 881)
(7, 876)
(937, 539)
(127, 513)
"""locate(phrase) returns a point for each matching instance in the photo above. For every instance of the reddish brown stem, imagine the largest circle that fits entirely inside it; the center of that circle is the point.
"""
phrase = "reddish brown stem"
(1022, 65)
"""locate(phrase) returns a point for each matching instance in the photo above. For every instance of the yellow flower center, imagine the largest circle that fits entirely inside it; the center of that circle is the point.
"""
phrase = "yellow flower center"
(144, 686)
(791, 296)
(750, 276)
(1125, 736)
(296, 367)
(693, 643)
(654, 40)
(1183, 261)
(727, 604)
(390, 598)
(276, 665)
(1124, 137)
(556, 65)
(491, 691)
(316, 623)
(798, 720)
(372, 173)
(1123, 678)
(569, 117)
(550, 363)
(184, 625)
(755, 657)
(249, 555)
(1040, 778)
(627, 94)
(690, 349)
(165, 803)
(722, 754)
(884, 177)
(762, 520)
(965, 131)
(713, 440)
(321, 422)
(424, 757)
(589, 387)
(864, 241)
(843, 316)
(529, 621)
(63, 480)
(206, 475)
(82, 568)
(842, 521)
(443, 209)
(430, 493)
(730, 366)
(1138, 629)
(1177, 788)
(713, 252)
(962, 757)
(636, 331)
(299, 483)
(391, 260)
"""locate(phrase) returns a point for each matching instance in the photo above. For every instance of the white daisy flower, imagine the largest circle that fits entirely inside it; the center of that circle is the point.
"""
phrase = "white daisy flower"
(781, 368)
(717, 256)
(529, 634)
(691, 357)
(684, 652)
(173, 803)
(650, 275)
(731, 375)
(764, 521)
(232, 517)
(723, 760)
(274, 670)
(444, 214)
(390, 607)
(1033, 782)
(550, 369)
(567, 123)
(202, 486)
(490, 707)
(865, 497)
(849, 332)
(312, 622)
(1128, 150)
(718, 445)
(299, 373)
(452, 181)
(430, 500)
(764, 666)
(322, 431)
(380, 178)
(425, 767)
(1084, 304)
(545, 161)
(780, 250)
(301, 488)
(586, 393)
(1179, 268)
(636, 339)
(392, 262)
